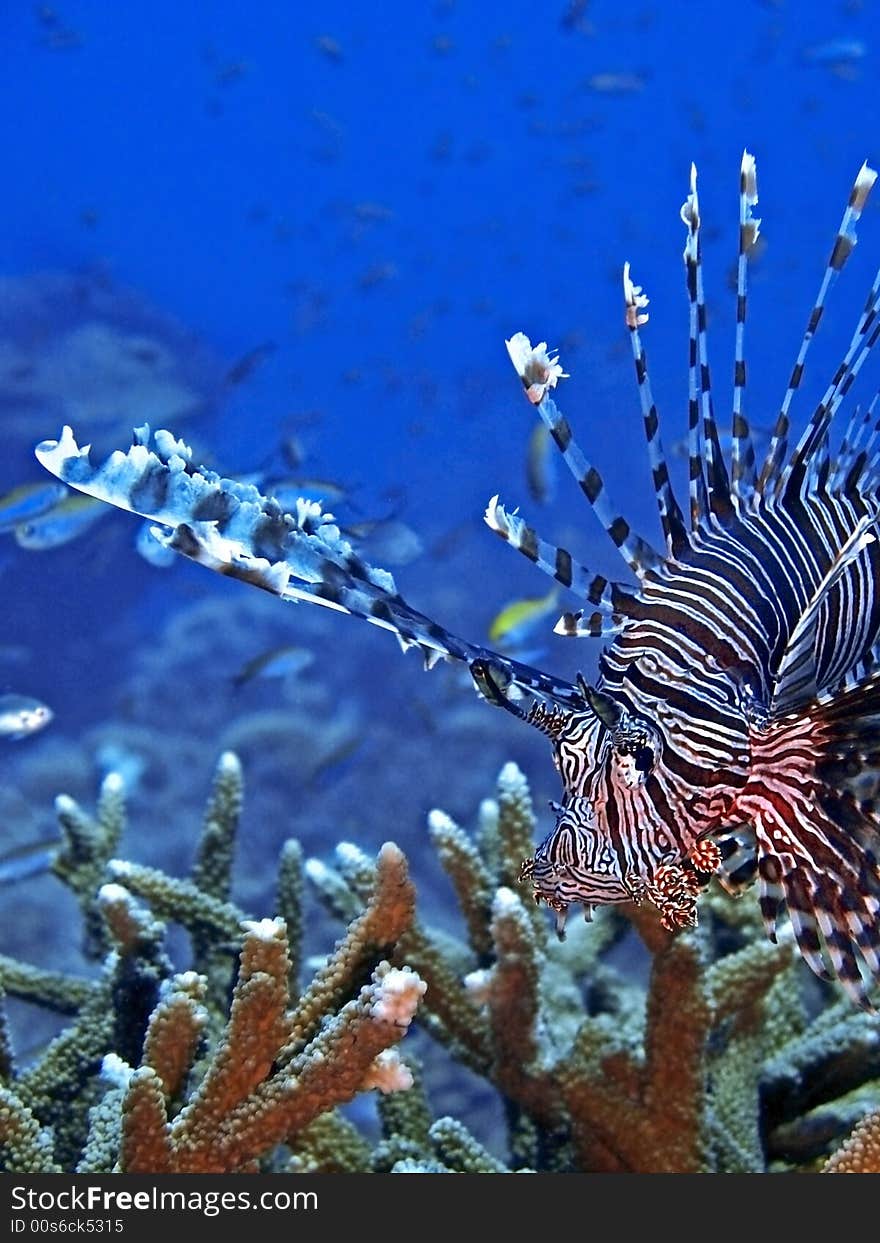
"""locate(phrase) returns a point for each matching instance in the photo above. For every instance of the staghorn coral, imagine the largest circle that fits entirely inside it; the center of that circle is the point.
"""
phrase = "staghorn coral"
(623, 1048)
(153, 1074)
(860, 1154)
(716, 1063)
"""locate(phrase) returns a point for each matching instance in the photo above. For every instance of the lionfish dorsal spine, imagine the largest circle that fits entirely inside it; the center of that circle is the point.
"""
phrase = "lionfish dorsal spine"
(539, 373)
(795, 681)
(742, 449)
(594, 589)
(637, 552)
(671, 518)
(853, 460)
(844, 244)
(863, 340)
(710, 491)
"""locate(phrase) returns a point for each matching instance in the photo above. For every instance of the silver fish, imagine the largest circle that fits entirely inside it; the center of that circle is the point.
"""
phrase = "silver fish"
(22, 715)
(32, 859)
(66, 521)
(278, 662)
(29, 500)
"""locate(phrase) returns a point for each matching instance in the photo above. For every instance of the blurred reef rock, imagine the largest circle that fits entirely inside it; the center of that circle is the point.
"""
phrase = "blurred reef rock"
(77, 347)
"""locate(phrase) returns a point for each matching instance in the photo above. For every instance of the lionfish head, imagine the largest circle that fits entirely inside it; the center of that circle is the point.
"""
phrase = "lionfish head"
(602, 753)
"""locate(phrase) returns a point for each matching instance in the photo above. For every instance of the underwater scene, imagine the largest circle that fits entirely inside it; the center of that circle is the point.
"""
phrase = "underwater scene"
(385, 847)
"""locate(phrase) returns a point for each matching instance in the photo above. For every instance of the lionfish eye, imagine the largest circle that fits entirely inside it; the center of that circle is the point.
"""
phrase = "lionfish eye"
(633, 750)
(644, 759)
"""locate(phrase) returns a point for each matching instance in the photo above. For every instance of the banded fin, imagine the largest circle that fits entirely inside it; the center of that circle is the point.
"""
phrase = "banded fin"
(639, 555)
(593, 625)
(844, 243)
(232, 529)
(671, 519)
(855, 464)
(742, 453)
(863, 340)
(795, 680)
(739, 863)
(557, 562)
(539, 373)
(713, 487)
(818, 845)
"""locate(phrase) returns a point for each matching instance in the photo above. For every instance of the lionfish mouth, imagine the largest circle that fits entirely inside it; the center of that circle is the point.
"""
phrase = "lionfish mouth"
(560, 887)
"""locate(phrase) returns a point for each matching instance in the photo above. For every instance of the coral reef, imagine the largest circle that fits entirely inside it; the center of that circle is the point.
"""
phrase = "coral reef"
(623, 1048)
(151, 1076)
(861, 1152)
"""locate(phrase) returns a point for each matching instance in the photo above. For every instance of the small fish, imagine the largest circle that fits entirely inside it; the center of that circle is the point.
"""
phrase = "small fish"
(330, 47)
(293, 451)
(841, 51)
(22, 715)
(387, 540)
(518, 619)
(248, 363)
(369, 212)
(278, 662)
(64, 522)
(233, 71)
(377, 274)
(575, 18)
(616, 83)
(541, 465)
(22, 862)
(29, 500)
(62, 39)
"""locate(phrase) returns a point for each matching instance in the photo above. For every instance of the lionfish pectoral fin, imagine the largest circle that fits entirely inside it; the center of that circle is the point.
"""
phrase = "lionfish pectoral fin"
(795, 681)
(817, 834)
(738, 869)
(526, 693)
(298, 555)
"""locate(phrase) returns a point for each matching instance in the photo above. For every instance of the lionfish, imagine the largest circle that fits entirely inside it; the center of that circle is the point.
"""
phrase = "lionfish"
(734, 728)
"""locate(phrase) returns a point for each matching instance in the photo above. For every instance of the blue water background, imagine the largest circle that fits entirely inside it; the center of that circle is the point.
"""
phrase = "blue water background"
(383, 193)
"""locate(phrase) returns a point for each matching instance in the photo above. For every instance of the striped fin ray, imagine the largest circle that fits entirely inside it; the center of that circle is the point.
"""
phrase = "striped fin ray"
(591, 625)
(636, 551)
(539, 372)
(851, 448)
(872, 449)
(843, 247)
(742, 452)
(862, 342)
(800, 900)
(671, 519)
(156, 479)
(771, 894)
(739, 863)
(856, 465)
(591, 588)
(697, 489)
(232, 529)
(717, 483)
(818, 842)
